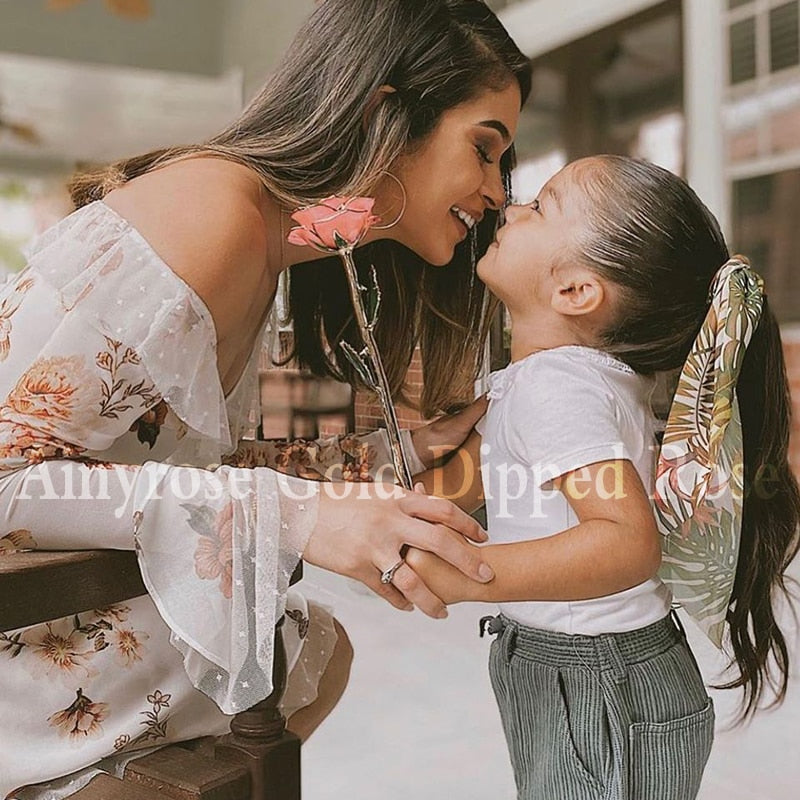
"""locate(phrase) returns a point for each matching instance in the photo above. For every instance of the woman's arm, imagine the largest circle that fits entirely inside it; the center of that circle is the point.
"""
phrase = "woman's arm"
(615, 546)
(366, 457)
(345, 457)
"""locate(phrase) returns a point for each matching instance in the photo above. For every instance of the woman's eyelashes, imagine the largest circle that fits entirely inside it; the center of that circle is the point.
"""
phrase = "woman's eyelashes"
(535, 206)
(483, 153)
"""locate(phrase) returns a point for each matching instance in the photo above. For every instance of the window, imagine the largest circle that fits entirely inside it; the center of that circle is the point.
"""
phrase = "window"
(765, 213)
(742, 43)
(784, 36)
(763, 38)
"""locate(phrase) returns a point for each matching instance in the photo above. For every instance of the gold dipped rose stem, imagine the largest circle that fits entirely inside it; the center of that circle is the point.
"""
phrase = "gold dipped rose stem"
(381, 384)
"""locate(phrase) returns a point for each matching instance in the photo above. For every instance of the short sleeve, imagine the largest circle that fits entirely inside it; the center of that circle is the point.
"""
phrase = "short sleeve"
(561, 415)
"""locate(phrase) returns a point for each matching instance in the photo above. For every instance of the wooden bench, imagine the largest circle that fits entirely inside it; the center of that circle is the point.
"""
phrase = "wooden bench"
(258, 760)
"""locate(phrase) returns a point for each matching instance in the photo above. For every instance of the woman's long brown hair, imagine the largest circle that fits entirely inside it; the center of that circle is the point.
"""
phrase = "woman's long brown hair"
(305, 137)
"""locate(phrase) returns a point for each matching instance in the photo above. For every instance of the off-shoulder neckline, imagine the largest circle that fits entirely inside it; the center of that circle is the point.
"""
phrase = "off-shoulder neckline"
(205, 312)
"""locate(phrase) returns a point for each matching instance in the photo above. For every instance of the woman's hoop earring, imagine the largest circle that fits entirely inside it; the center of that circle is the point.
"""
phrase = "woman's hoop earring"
(402, 210)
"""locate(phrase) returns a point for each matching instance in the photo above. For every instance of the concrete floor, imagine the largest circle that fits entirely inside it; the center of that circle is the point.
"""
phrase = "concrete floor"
(419, 720)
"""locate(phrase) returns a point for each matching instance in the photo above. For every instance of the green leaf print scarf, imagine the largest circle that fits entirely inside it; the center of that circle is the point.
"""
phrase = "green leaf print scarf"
(700, 473)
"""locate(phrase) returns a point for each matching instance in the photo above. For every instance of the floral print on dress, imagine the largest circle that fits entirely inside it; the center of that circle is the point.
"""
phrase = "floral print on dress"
(67, 649)
(344, 457)
(82, 720)
(299, 619)
(148, 426)
(53, 391)
(117, 392)
(127, 644)
(62, 392)
(213, 557)
(64, 650)
(357, 459)
(33, 446)
(8, 305)
(155, 723)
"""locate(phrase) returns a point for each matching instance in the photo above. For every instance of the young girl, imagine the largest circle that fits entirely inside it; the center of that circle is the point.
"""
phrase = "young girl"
(609, 276)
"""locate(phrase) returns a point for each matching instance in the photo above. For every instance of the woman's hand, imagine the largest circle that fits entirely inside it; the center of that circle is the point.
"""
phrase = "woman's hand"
(444, 580)
(445, 434)
(361, 530)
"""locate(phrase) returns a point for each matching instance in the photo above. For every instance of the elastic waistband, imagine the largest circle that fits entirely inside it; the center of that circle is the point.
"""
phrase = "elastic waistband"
(556, 649)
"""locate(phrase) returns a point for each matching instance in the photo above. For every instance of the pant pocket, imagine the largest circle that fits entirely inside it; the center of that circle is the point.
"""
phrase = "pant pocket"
(667, 759)
(581, 725)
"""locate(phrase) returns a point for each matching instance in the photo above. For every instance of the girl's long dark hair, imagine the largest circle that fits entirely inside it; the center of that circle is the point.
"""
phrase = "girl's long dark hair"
(304, 134)
(649, 233)
(770, 517)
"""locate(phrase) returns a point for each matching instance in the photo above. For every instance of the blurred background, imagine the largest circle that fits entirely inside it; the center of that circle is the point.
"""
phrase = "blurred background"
(707, 88)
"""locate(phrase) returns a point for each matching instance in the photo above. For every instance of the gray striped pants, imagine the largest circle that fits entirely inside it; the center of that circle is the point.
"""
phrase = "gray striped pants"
(621, 716)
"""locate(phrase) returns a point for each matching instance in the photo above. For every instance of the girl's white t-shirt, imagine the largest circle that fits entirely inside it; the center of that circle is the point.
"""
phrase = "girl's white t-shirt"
(551, 413)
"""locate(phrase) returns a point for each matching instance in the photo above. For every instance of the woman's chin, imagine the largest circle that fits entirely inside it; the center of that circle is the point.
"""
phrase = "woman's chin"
(439, 258)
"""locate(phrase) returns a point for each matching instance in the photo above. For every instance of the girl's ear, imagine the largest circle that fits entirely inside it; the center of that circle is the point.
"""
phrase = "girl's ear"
(577, 292)
(380, 95)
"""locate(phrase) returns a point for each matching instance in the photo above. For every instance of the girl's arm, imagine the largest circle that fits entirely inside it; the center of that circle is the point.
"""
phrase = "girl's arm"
(615, 546)
(459, 478)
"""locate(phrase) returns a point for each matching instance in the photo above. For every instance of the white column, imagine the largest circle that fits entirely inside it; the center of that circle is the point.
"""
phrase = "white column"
(704, 81)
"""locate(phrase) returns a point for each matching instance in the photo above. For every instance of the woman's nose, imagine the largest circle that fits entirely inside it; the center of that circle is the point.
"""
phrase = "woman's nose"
(493, 191)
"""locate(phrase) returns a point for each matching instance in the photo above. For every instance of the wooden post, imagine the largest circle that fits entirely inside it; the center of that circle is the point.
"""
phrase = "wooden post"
(259, 740)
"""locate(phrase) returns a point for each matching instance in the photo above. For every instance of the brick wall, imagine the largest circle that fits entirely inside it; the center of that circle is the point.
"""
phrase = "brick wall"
(369, 416)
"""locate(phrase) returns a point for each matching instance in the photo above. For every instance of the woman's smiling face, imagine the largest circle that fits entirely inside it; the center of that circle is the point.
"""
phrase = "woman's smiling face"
(454, 175)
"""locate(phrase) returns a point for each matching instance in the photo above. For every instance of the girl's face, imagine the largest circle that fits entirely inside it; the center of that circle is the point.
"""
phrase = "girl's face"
(454, 176)
(521, 264)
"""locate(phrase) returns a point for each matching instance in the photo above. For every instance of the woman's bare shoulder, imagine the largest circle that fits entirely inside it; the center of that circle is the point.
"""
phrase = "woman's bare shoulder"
(204, 218)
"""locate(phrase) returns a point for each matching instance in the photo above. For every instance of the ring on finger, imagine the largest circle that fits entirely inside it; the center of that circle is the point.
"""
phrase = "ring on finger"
(388, 574)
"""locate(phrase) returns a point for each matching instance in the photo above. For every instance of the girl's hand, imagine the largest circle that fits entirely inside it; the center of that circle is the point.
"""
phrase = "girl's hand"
(445, 434)
(360, 532)
(444, 580)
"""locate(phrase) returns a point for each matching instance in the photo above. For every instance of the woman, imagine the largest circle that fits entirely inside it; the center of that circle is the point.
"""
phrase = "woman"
(129, 356)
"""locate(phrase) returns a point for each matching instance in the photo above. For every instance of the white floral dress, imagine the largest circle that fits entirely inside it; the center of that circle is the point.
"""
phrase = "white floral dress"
(114, 433)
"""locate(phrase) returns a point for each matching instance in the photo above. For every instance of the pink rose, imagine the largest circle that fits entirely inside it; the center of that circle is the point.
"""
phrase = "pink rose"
(334, 223)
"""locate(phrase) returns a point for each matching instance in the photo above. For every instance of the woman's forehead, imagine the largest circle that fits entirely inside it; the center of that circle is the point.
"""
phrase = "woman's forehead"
(493, 109)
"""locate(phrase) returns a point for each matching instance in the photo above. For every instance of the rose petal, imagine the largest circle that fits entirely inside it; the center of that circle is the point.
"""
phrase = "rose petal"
(352, 226)
(335, 203)
(308, 216)
(360, 204)
(325, 230)
(303, 237)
